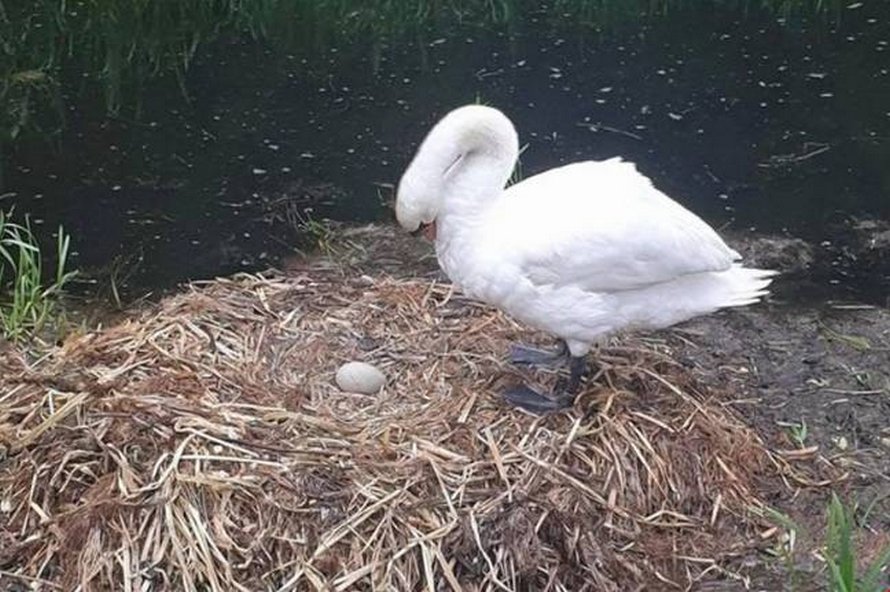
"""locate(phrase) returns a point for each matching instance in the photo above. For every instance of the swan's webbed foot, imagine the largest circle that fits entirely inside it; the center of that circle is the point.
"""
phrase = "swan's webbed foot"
(524, 355)
(527, 398)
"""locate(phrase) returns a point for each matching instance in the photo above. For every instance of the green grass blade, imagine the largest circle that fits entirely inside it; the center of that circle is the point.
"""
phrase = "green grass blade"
(27, 303)
(871, 580)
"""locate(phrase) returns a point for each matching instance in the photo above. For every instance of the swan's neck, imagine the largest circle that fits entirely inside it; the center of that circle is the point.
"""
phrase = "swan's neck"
(486, 150)
(465, 161)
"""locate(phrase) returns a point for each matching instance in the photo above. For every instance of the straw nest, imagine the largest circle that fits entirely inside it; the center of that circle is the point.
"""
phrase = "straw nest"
(201, 445)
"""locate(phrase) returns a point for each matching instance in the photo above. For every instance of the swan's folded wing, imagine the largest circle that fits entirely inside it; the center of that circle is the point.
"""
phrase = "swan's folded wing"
(653, 253)
(626, 238)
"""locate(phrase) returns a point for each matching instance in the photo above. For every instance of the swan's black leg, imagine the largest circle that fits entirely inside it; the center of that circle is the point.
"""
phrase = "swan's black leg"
(563, 397)
(530, 356)
(577, 367)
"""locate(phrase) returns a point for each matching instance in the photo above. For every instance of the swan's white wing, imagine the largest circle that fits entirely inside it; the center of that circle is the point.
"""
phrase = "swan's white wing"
(601, 226)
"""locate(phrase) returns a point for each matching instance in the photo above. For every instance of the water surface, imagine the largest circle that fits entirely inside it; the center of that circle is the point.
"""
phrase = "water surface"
(749, 120)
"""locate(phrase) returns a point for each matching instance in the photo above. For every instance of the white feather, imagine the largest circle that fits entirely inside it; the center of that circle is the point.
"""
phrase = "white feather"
(581, 251)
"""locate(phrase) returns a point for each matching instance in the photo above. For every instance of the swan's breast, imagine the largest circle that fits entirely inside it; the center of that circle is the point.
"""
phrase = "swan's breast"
(477, 268)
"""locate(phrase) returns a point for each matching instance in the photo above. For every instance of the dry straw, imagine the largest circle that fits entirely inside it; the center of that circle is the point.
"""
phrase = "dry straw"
(200, 445)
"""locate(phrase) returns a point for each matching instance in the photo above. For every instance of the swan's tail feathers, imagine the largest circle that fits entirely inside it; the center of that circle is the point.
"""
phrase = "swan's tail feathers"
(747, 285)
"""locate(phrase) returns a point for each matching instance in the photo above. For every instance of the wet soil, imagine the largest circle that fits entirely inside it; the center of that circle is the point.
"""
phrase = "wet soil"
(827, 369)
(814, 378)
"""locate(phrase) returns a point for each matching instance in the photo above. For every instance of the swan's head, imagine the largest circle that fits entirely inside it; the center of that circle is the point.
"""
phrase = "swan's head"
(418, 200)
(474, 144)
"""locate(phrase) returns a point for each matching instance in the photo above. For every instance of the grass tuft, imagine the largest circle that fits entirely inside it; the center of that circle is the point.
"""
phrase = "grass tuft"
(841, 554)
(27, 301)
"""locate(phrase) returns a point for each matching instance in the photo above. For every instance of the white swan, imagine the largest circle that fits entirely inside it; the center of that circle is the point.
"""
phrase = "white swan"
(580, 251)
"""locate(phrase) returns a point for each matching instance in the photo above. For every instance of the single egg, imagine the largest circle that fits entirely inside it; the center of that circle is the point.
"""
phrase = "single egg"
(359, 377)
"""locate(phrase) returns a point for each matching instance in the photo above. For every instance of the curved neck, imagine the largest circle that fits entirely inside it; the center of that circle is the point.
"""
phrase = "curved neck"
(467, 158)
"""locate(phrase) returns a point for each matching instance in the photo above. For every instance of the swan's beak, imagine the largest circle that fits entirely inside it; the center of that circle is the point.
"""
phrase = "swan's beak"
(427, 229)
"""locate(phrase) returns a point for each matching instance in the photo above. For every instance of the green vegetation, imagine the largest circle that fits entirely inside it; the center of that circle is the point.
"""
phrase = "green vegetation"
(319, 232)
(116, 46)
(797, 431)
(839, 552)
(27, 301)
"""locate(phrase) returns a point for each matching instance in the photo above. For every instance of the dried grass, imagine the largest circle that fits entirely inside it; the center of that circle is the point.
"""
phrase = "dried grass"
(201, 445)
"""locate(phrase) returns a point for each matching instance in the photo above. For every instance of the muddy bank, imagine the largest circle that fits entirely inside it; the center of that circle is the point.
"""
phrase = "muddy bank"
(849, 263)
(811, 356)
(814, 379)
(807, 376)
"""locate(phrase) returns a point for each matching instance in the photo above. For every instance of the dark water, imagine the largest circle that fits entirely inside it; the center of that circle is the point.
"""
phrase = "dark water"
(751, 121)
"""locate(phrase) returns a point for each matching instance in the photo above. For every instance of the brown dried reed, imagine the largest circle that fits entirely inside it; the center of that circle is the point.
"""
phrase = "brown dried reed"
(201, 445)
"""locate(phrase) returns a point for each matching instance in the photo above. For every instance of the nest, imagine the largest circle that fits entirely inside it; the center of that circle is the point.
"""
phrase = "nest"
(201, 445)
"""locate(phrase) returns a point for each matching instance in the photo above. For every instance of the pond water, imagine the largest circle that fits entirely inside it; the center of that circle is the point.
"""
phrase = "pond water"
(749, 120)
